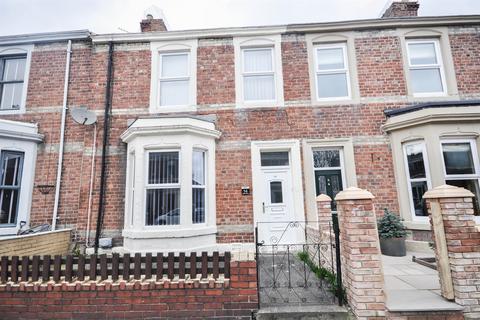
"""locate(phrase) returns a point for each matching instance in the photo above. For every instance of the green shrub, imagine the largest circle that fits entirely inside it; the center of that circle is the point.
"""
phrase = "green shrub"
(391, 226)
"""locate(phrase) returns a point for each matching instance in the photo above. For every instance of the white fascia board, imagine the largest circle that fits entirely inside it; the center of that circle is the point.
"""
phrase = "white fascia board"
(307, 27)
(44, 37)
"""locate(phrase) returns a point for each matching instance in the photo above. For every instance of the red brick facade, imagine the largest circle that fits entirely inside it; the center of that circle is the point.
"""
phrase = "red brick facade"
(381, 82)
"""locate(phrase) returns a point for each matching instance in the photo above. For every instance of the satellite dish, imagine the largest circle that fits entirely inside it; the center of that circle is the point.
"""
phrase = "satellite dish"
(82, 115)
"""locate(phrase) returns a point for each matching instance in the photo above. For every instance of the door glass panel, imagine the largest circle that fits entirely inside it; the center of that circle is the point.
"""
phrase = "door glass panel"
(471, 185)
(416, 165)
(276, 194)
(269, 159)
(326, 158)
(419, 205)
(328, 182)
(322, 185)
(458, 158)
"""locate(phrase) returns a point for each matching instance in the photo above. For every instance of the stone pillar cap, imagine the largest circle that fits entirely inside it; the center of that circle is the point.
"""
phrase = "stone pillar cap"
(447, 191)
(323, 197)
(354, 193)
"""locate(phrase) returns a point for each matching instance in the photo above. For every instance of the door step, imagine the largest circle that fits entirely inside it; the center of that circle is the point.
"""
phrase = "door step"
(318, 312)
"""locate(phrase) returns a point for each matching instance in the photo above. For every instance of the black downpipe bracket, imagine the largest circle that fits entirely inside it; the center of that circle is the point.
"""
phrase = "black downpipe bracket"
(106, 131)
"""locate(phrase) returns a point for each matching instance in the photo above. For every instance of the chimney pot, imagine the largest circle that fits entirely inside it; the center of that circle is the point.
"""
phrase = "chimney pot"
(402, 8)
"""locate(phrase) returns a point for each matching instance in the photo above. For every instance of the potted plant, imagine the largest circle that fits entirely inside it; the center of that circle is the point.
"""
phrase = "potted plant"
(392, 233)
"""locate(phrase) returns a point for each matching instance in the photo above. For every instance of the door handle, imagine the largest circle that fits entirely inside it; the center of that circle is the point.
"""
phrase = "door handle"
(263, 207)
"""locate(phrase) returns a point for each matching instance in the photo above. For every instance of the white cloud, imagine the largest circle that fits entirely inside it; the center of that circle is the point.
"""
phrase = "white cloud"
(106, 16)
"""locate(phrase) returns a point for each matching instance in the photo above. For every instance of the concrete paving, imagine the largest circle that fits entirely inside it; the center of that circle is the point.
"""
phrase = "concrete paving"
(410, 286)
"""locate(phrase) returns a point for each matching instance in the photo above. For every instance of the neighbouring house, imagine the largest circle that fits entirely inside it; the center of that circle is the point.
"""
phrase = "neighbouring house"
(201, 134)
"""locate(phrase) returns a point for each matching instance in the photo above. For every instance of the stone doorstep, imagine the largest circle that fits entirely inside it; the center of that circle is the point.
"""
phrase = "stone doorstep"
(320, 312)
(418, 301)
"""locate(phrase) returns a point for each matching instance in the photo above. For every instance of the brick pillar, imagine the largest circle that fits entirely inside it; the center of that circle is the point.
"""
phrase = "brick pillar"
(324, 211)
(457, 245)
(317, 228)
(360, 251)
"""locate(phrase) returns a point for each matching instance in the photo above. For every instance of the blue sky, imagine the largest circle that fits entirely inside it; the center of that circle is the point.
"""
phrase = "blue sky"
(106, 16)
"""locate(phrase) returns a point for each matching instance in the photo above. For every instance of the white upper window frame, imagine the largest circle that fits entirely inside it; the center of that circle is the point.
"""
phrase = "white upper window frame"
(158, 50)
(19, 50)
(439, 65)
(162, 78)
(259, 73)
(245, 43)
(410, 180)
(346, 69)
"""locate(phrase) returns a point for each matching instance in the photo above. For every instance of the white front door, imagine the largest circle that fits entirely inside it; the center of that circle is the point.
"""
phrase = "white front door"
(274, 222)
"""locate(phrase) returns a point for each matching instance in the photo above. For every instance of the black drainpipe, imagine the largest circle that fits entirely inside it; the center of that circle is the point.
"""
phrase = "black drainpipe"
(106, 127)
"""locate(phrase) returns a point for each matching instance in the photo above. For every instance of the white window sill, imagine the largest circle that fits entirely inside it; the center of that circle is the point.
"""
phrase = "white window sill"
(418, 225)
(12, 111)
(170, 109)
(170, 232)
(252, 105)
(334, 101)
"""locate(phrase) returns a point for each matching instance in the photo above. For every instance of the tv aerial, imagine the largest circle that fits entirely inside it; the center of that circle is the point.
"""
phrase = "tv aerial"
(82, 115)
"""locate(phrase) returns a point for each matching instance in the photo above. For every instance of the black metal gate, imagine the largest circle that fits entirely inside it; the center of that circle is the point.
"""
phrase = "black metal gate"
(306, 273)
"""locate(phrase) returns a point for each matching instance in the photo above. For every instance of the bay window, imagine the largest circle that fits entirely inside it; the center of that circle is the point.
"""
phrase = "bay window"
(426, 67)
(418, 179)
(170, 194)
(461, 167)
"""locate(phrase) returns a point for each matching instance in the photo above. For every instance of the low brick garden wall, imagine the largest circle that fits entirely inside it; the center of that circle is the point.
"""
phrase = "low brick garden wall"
(164, 299)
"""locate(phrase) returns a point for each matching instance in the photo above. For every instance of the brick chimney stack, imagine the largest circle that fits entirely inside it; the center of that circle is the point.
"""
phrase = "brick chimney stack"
(154, 20)
(402, 8)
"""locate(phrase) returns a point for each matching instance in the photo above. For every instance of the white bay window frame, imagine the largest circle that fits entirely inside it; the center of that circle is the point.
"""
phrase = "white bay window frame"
(242, 44)
(161, 49)
(436, 66)
(162, 186)
(411, 180)
(184, 135)
(200, 186)
(345, 70)
(476, 164)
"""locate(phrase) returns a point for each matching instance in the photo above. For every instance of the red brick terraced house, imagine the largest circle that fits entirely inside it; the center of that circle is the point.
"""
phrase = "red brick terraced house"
(201, 134)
